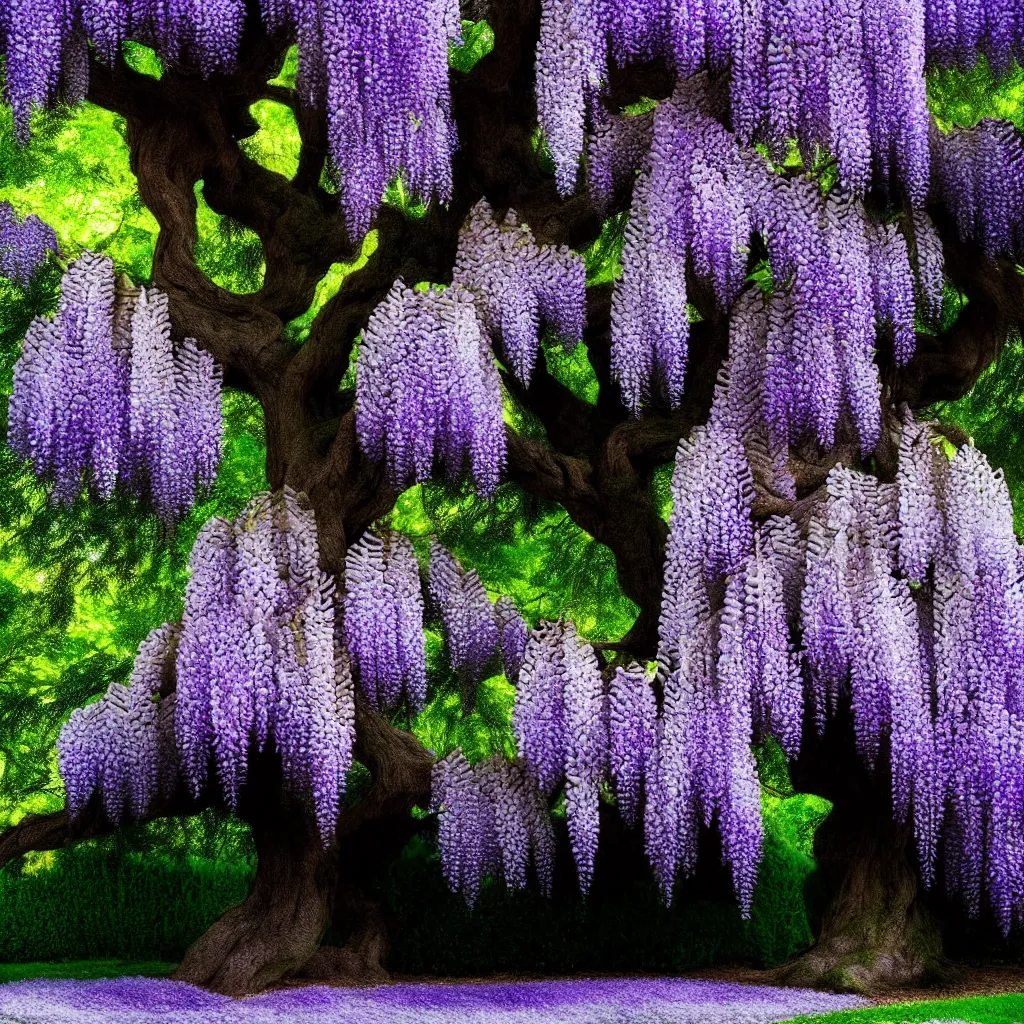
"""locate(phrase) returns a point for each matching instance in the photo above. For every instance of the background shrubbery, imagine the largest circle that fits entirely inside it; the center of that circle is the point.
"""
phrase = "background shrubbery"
(98, 901)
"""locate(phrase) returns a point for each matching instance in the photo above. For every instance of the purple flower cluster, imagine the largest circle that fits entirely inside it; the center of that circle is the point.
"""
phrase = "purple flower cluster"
(520, 287)
(24, 245)
(979, 175)
(471, 623)
(668, 1000)
(957, 31)
(616, 148)
(380, 70)
(428, 391)
(560, 721)
(47, 51)
(538, 716)
(632, 733)
(384, 620)
(113, 746)
(914, 606)
(256, 658)
(847, 77)
(69, 402)
(726, 656)
(174, 414)
(512, 633)
(491, 819)
(910, 603)
(102, 391)
(838, 276)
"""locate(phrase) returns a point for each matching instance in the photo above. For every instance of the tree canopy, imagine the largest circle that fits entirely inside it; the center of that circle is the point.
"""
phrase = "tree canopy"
(576, 385)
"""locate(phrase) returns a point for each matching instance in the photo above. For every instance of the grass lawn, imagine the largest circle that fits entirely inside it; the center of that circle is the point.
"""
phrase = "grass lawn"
(978, 1010)
(83, 969)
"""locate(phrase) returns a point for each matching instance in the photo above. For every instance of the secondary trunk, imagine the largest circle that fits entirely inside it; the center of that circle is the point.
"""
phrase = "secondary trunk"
(878, 929)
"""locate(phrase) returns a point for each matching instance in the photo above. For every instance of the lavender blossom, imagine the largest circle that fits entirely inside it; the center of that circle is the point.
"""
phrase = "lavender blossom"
(979, 174)
(521, 820)
(384, 620)
(470, 625)
(24, 245)
(103, 391)
(69, 401)
(112, 747)
(383, 68)
(586, 750)
(632, 721)
(513, 633)
(520, 287)
(538, 716)
(428, 392)
(257, 661)
(466, 826)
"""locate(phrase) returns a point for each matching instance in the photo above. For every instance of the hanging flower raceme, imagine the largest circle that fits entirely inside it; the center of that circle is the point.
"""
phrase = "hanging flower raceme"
(466, 831)
(42, 41)
(560, 723)
(427, 390)
(380, 69)
(101, 391)
(979, 175)
(174, 421)
(70, 402)
(538, 716)
(25, 245)
(491, 820)
(710, 531)
(384, 620)
(113, 747)
(616, 147)
(847, 77)
(936, 667)
(513, 633)
(929, 267)
(759, 654)
(632, 726)
(256, 659)
(521, 287)
(470, 621)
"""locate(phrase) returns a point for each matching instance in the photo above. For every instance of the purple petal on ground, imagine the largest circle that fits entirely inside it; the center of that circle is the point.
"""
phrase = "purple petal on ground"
(580, 1001)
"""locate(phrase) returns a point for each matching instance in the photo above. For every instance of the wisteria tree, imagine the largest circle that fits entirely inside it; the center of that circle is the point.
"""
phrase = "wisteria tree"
(807, 261)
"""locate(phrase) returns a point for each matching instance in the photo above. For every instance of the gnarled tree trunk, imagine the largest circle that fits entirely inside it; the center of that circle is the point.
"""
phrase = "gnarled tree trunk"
(301, 885)
(878, 928)
(279, 925)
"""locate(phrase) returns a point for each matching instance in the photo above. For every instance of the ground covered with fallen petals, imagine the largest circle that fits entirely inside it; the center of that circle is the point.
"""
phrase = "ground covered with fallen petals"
(605, 1001)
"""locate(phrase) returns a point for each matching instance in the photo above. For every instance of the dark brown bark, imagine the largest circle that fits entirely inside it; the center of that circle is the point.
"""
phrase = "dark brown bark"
(301, 885)
(878, 929)
(279, 925)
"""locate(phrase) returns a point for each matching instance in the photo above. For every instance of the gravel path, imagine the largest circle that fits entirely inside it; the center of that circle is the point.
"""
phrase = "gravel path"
(602, 1001)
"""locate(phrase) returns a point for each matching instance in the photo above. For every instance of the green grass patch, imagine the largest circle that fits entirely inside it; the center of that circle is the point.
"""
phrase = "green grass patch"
(86, 970)
(977, 1010)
